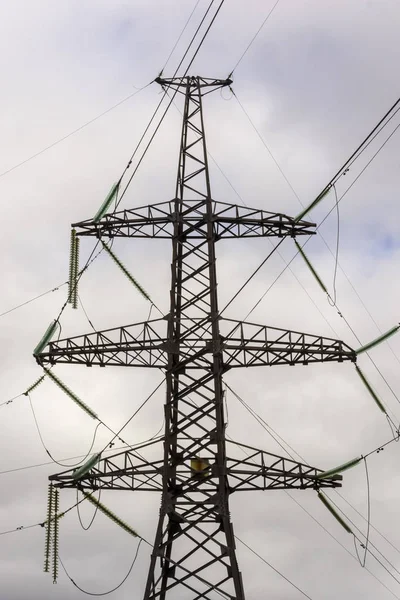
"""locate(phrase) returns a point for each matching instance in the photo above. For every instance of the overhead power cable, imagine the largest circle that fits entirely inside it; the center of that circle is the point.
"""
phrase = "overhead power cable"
(292, 454)
(174, 94)
(48, 451)
(65, 137)
(382, 123)
(273, 568)
(254, 37)
(180, 35)
(109, 591)
(359, 175)
(55, 289)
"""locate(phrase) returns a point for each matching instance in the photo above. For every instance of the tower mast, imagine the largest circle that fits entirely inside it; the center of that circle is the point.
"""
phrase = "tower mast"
(194, 345)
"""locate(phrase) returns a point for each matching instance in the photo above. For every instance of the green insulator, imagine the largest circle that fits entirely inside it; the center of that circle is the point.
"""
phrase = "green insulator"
(34, 385)
(48, 528)
(314, 203)
(107, 202)
(331, 509)
(70, 393)
(370, 389)
(313, 271)
(55, 524)
(85, 468)
(340, 469)
(125, 271)
(46, 338)
(72, 273)
(378, 340)
(106, 511)
(76, 278)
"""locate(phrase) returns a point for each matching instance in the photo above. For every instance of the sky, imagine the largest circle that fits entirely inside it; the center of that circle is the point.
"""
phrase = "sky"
(316, 80)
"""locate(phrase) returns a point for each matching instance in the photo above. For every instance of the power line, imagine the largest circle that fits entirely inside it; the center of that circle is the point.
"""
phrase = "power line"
(266, 427)
(156, 110)
(65, 137)
(359, 175)
(273, 568)
(254, 37)
(110, 591)
(48, 451)
(355, 155)
(180, 35)
(33, 299)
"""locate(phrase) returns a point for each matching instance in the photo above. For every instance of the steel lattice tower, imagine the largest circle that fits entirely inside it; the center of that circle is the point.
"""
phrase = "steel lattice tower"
(194, 546)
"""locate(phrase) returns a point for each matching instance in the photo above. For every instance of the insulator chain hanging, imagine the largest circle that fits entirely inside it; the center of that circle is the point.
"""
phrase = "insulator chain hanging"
(47, 547)
(370, 389)
(334, 512)
(126, 272)
(313, 271)
(34, 385)
(76, 272)
(55, 532)
(70, 393)
(73, 270)
(106, 511)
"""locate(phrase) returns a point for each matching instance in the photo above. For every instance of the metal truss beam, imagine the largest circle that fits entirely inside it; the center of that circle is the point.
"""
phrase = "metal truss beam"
(229, 221)
(241, 344)
(257, 470)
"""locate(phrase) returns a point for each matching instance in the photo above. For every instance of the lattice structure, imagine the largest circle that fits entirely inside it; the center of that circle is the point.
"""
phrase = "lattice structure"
(194, 548)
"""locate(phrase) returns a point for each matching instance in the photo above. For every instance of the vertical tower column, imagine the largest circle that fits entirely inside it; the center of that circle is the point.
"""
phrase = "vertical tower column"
(194, 545)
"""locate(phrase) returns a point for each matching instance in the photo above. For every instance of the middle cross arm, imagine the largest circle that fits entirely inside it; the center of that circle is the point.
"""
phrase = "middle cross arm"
(242, 345)
(230, 221)
(254, 470)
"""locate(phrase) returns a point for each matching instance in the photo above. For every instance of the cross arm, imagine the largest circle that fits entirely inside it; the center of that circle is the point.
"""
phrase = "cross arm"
(137, 345)
(127, 470)
(230, 221)
(257, 470)
(250, 345)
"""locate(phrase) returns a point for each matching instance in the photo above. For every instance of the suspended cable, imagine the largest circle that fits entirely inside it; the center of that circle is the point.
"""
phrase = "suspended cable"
(154, 116)
(86, 315)
(378, 449)
(116, 435)
(254, 37)
(65, 137)
(273, 568)
(337, 249)
(110, 591)
(383, 122)
(41, 523)
(33, 299)
(251, 276)
(359, 175)
(180, 35)
(11, 400)
(94, 514)
(48, 451)
(366, 548)
(174, 94)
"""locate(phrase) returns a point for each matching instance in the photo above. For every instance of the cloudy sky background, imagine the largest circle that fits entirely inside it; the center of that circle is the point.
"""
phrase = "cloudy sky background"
(315, 82)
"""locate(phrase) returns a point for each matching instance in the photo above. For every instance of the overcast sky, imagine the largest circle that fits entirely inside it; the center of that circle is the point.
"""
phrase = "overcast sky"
(316, 80)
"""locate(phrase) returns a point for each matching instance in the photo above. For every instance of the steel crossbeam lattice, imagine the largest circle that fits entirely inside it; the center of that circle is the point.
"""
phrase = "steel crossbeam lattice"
(197, 468)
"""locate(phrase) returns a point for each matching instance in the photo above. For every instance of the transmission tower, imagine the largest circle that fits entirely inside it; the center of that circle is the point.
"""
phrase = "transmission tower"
(194, 552)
